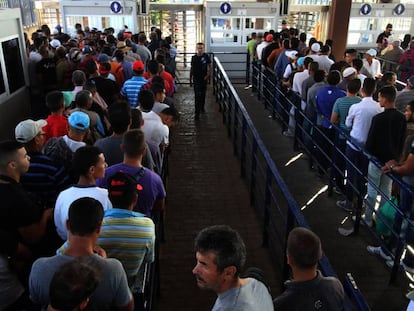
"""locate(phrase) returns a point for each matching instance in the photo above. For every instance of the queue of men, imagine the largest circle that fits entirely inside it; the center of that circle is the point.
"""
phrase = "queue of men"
(353, 107)
(58, 188)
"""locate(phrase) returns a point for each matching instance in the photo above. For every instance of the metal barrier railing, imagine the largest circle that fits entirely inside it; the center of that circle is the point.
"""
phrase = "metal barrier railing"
(269, 194)
(233, 62)
(151, 286)
(280, 104)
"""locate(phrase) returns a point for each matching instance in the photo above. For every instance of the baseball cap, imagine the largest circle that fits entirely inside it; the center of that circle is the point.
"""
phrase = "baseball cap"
(75, 55)
(301, 61)
(121, 183)
(103, 58)
(291, 54)
(103, 69)
(79, 120)
(26, 130)
(138, 66)
(316, 47)
(87, 49)
(348, 72)
(55, 43)
(269, 38)
(371, 52)
(121, 45)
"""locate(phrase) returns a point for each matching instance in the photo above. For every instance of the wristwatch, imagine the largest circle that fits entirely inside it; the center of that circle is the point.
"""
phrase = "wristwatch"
(392, 166)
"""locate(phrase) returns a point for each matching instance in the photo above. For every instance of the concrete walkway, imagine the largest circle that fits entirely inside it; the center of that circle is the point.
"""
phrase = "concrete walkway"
(205, 188)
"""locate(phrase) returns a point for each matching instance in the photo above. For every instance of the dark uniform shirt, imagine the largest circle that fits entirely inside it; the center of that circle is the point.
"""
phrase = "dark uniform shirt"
(199, 66)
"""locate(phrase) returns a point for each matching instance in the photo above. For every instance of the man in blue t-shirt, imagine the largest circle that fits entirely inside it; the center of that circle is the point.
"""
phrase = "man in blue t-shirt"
(325, 100)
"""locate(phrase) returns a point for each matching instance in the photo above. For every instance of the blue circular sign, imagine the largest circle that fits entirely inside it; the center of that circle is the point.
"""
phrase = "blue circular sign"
(399, 9)
(366, 9)
(225, 8)
(116, 7)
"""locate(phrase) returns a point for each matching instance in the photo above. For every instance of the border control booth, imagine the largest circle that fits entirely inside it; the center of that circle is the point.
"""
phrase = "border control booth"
(14, 81)
(368, 20)
(100, 14)
(229, 26)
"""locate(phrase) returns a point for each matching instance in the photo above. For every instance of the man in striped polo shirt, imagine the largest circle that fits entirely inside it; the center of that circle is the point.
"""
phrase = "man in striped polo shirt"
(45, 177)
(127, 235)
(132, 87)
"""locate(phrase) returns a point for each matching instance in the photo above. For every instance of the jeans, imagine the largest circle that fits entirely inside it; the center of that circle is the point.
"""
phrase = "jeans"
(355, 180)
(376, 179)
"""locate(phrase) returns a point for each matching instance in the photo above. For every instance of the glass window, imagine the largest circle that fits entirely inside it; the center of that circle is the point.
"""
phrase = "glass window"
(2, 86)
(14, 66)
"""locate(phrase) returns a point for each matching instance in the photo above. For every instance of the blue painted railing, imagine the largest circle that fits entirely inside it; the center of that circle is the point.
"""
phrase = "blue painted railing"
(269, 194)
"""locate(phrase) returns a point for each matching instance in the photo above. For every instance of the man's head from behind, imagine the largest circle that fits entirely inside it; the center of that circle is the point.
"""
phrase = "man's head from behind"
(304, 249)
(133, 143)
(72, 285)
(221, 254)
(387, 95)
(119, 115)
(122, 190)
(369, 86)
(85, 217)
(146, 100)
(169, 116)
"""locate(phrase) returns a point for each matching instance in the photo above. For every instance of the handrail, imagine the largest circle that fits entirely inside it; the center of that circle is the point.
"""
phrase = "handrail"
(269, 193)
(151, 274)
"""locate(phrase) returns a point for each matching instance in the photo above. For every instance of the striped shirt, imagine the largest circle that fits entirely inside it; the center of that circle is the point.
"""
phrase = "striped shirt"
(45, 178)
(131, 89)
(129, 237)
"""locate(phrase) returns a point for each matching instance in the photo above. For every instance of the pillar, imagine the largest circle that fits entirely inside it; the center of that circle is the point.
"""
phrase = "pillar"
(340, 12)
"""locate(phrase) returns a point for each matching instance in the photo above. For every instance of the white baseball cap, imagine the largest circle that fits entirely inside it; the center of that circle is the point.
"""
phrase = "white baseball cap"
(291, 54)
(26, 130)
(371, 52)
(348, 72)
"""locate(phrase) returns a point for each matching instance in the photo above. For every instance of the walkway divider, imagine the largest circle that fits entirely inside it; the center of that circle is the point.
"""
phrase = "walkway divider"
(269, 194)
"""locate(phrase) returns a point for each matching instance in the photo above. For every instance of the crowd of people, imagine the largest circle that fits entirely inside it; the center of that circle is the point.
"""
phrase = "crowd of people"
(81, 183)
(351, 106)
(81, 180)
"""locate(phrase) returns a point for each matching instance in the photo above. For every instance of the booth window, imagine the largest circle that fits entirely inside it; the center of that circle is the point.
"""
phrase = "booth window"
(14, 65)
(2, 86)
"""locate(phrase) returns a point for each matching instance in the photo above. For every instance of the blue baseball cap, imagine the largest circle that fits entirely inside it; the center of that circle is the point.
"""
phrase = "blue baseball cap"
(79, 120)
(301, 61)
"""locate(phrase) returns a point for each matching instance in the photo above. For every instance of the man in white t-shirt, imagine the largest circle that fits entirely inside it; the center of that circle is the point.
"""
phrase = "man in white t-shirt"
(89, 163)
(371, 66)
(154, 129)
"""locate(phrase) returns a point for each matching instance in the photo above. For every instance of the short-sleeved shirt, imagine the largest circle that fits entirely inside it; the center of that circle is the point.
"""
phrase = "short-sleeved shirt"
(325, 100)
(112, 291)
(131, 89)
(199, 66)
(17, 209)
(341, 107)
(56, 126)
(45, 177)
(129, 237)
(251, 296)
(71, 194)
(325, 292)
(153, 187)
